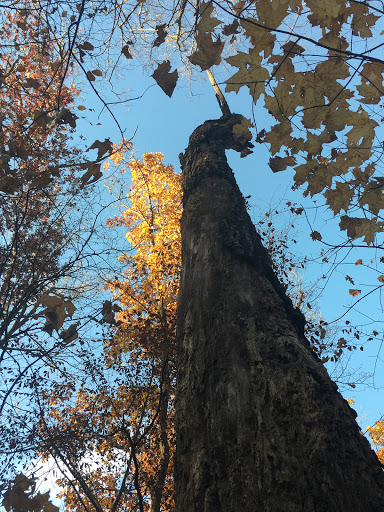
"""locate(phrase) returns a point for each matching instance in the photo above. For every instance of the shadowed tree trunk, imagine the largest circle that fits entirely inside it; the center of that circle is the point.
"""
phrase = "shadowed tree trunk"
(260, 424)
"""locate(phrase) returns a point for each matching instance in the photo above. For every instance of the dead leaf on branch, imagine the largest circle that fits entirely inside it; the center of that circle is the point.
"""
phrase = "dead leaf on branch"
(161, 35)
(65, 116)
(354, 292)
(278, 164)
(207, 23)
(166, 80)
(109, 311)
(208, 52)
(315, 235)
(339, 198)
(231, 29)
(70, 334)
(91, 77)
(33, 83)
(21, 496)
(251, 74)
(125, 51)
(57, 309)
(92, 175)
(102, 148)
(357, 228)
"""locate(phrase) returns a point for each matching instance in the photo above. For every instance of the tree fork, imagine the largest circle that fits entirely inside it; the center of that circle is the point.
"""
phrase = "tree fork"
(260, 424)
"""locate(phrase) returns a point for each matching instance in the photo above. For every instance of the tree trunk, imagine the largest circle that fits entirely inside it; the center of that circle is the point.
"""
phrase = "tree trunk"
(260, 425)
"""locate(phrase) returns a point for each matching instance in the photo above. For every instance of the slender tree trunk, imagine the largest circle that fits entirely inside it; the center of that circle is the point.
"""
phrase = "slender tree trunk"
(260, 424)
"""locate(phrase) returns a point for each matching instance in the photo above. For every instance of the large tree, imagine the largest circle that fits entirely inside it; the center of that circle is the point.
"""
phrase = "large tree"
(260, 425)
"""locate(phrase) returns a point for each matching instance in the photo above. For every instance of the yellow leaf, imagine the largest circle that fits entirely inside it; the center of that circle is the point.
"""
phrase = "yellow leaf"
(81, 107)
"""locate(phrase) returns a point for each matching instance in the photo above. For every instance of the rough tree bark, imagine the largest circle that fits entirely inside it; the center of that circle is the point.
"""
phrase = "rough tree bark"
(260, 424)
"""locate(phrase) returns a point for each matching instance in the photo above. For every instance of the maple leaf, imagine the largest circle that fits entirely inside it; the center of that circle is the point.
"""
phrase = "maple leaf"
(208, 52)
(166, 80)
(102, 148)
(161, 35)
(57, 309)
(206, 22)
(339, 198)
(251, 74)
(93, 173)
(357, 228)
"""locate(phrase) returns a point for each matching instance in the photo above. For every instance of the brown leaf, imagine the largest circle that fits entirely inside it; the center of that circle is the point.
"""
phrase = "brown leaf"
(161, 35)
(353, 292)
(86, 46)
(165, 79)
(91, 77)
(70, 334)
(97, 72)
(357, 227)
(315, 235)
(348, 278)
(359, 262)
(381, 279)
(32, 82)
(231, 29)
(102, 148)
(125, 51)
(109, 311)
(278, 164)
(66, 117)
(93, 173)
(208, 52)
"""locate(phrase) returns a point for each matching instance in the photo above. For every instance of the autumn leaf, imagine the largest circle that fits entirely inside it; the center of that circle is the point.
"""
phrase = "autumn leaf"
(165, 79)
(65, 116)
(86, 46)
(278, 164)
(208, 52)
(125, 51)
(92, 174)
(359, 262)
(348, 278)
(358, 227)
(339, 198)
(381, 279)
(91, 77)
(161, 35)
(70, 334)
(102, 148)
(315, 235)
(251, 73)
(354, 292)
